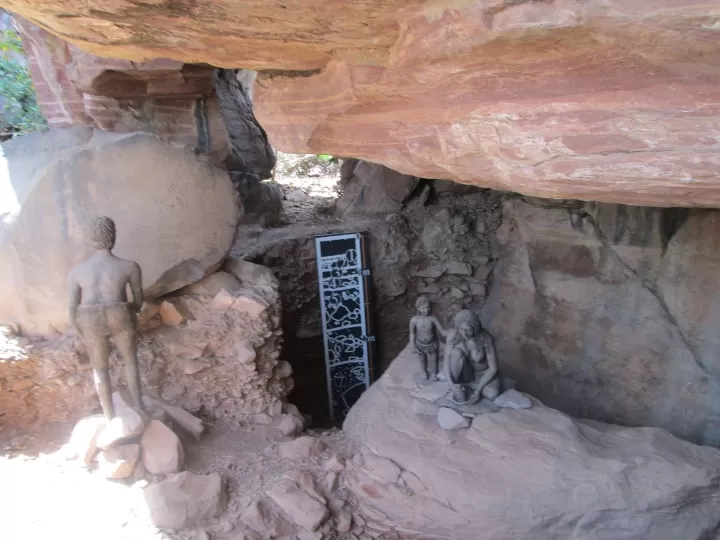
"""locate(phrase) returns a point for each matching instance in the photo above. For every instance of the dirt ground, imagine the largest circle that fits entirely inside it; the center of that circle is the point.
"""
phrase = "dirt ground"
(43, 495)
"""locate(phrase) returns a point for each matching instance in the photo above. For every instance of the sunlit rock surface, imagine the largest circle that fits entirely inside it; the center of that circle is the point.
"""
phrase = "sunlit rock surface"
(602, 100)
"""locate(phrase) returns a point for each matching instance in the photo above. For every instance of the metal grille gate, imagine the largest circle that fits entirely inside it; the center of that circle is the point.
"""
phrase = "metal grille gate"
(344, 281)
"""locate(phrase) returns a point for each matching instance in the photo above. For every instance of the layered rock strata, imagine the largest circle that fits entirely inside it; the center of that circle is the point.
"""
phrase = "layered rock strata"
(600, 100)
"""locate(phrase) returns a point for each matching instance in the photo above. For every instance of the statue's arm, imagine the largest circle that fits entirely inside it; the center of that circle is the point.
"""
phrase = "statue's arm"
(136, 286)
(491, 371)
(412, 331)
(75, 296)
(439, 327)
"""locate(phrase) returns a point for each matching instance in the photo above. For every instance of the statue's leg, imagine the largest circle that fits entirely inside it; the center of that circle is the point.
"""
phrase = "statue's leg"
(422, 356)
(126, 342)
(98, 348)
(432, 365)
(456, 370)
(492, 389)
(456, 367)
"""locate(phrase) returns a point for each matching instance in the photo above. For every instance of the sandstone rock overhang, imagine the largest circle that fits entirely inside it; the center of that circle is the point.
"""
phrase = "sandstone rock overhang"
(599, 100)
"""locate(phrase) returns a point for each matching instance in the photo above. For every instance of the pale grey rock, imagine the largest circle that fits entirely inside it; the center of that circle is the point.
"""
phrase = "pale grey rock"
(83, 440)
(290, 425)
(201, 213)
(119, 461)
(162, 451)
(189, 424)
(433, 271)
(127, 424)
(336, 463)
(306, 508)
(512, 399)
(450, 420)
(250, 274)
(185, 500)
(300, 448)
(459, 268)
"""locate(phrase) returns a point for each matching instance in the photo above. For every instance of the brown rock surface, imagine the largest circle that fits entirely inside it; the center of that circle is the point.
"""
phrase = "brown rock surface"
(162, 96)
(185, 500)
(526, 474)
(604, 100)
(610, 312)
(162, 451)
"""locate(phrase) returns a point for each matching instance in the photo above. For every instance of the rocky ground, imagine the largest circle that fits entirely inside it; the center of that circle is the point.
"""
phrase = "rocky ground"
(45, 495)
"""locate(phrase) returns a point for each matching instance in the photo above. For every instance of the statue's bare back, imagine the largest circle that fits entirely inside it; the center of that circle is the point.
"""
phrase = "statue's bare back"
(104, 278)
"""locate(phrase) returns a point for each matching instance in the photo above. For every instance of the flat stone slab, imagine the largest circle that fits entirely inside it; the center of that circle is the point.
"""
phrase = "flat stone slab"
(431, 392)
(483, 406)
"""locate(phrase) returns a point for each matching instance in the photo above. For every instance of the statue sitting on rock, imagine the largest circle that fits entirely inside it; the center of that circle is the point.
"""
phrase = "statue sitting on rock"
(100, 308)
(425, 332)
(471, 367)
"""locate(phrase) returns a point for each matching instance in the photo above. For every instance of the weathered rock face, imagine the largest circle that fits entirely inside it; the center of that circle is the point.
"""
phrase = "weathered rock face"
(373, 188)
(609, 312)
(603, 311)
(228, 344)
(175, 216)
(533, 474)
(164, 97)
(250, 151)
(599, 100)
(443, 250)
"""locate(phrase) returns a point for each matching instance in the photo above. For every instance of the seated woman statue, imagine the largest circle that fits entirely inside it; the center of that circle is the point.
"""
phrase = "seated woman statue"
(470, 361)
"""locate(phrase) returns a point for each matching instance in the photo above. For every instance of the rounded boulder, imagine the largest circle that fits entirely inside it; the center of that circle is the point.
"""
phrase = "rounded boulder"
(175, 215)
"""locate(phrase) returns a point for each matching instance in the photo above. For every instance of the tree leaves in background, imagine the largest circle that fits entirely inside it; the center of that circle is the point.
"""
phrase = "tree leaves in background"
(20, 111)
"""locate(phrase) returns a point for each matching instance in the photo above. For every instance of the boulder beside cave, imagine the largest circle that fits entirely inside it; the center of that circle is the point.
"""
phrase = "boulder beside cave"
(371, 188)
(534, 474)
(610, 312)
(174, 211)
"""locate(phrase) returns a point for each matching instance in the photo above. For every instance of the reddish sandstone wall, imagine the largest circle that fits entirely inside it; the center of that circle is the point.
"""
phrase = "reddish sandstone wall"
(165, 97)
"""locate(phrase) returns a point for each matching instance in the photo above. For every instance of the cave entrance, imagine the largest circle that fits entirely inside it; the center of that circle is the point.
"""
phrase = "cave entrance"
(310, 186)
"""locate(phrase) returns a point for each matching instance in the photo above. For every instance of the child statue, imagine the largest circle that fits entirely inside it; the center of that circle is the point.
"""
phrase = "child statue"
(424, 338)
(99, 308)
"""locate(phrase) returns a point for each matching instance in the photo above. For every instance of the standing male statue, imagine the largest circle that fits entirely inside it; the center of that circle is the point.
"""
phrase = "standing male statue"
(99, 308)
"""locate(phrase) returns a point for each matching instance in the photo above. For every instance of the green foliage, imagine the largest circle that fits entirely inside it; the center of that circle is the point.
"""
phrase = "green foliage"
(20, 109)
(324, 157)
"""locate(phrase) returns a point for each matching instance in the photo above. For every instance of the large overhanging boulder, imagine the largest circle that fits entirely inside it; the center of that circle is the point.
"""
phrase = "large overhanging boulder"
(175, 215)
(600, 100)
(534, 474)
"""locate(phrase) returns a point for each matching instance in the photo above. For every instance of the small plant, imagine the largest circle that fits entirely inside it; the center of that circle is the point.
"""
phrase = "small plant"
(324, 157)
(20, 112)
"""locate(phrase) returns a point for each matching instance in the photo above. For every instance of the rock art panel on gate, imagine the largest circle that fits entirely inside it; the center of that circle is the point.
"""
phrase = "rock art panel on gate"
(176, 212)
